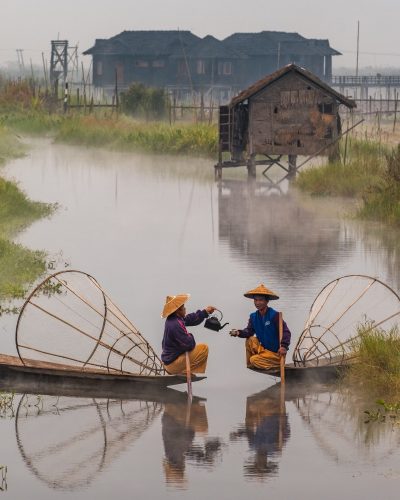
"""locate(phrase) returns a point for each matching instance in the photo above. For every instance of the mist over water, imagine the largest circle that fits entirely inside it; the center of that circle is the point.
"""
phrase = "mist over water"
(149, 226)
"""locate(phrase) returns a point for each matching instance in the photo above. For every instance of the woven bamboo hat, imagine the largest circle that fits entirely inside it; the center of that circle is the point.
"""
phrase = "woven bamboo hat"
(173, 303)
(261, 290)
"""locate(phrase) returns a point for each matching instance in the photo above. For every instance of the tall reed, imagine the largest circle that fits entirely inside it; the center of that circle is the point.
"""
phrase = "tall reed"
(377, 369)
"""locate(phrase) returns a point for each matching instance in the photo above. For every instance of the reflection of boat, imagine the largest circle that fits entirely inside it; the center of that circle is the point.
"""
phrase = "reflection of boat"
(70, 331)
(66, 441)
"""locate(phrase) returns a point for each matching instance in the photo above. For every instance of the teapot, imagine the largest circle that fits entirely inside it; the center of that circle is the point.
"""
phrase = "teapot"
(213, 323)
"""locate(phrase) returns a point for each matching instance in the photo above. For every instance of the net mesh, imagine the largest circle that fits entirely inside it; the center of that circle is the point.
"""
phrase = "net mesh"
(70, 320)
(343, 306)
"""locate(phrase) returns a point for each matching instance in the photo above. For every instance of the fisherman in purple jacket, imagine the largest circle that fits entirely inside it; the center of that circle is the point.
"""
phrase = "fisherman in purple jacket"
(177, 340)
(264, 348)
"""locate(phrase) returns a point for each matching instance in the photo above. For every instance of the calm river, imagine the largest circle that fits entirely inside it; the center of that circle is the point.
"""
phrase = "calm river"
(148, 226)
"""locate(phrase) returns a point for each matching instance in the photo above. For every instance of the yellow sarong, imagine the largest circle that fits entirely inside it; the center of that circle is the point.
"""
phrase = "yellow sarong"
(198, 361)
(259, 357)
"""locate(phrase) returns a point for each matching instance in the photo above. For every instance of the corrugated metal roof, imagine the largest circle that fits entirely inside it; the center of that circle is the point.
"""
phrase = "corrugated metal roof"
(267, 80)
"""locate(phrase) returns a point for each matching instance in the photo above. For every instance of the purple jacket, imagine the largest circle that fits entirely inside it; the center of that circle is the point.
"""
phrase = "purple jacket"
(177, 339)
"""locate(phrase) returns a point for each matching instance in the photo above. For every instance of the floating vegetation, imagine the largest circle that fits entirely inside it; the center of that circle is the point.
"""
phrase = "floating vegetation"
(386, 412)
(3, 477)
(6, 405)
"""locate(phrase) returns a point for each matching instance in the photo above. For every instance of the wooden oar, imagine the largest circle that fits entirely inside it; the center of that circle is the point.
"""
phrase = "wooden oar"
(283, 358)
(188, 378)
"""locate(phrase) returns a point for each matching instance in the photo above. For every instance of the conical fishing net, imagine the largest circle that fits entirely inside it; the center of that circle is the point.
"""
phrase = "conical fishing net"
(344, 308)
(70, 320)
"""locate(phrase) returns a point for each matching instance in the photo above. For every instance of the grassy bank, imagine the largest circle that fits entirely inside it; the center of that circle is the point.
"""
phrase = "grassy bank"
(377, 370)
(118, 133)
(370, 175)
(19, 266)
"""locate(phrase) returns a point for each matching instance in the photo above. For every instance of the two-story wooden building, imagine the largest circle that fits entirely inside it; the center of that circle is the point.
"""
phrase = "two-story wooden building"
(183, 61)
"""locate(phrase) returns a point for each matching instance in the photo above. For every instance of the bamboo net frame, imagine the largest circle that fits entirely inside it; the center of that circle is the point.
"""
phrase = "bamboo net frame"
(70, 319)
(340, 309)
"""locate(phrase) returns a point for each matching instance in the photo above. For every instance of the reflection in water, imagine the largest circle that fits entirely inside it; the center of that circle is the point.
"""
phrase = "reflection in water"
(181, 424)
(267, 429)
(66, 442)
(337, 422)
(262, 225)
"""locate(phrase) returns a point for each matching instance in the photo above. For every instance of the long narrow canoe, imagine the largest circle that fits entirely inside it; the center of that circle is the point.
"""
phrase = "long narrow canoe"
(323, 372)
(13, 373)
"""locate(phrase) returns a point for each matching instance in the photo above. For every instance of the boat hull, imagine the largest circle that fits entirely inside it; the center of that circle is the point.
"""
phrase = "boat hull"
(49, 378)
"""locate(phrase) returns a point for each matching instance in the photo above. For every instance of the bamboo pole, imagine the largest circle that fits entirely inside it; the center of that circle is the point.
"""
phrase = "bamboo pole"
(282, 358)
(188, 377)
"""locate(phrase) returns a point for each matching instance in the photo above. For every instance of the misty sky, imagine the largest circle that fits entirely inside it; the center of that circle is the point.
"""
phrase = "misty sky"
(31, 24)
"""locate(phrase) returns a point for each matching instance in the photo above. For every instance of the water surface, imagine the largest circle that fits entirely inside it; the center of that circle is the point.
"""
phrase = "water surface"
(148, 226)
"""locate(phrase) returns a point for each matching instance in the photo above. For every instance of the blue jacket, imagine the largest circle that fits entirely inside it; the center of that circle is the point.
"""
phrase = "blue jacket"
(266, 329)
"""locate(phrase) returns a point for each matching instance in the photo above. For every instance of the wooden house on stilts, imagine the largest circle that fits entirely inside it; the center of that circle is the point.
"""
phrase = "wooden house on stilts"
(288, 113)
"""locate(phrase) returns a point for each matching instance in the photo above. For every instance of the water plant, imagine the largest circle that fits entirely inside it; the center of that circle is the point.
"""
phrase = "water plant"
(385, 412)
(377, 370)
(3, 478)
(6, 404)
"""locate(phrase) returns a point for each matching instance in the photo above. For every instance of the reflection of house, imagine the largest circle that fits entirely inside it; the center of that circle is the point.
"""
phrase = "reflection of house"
(180, 59)
(276, 232)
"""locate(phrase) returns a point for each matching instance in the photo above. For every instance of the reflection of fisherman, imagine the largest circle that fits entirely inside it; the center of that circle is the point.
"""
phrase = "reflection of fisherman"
(177, 340)
(263, 348)
(180, 425)
(267, 430)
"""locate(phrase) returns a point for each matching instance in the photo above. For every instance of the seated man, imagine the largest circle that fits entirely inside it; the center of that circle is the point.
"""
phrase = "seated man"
(263, 347)
(177, 340)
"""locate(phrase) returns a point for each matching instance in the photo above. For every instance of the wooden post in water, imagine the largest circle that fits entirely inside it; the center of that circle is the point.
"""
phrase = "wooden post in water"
(188, 377)
(396, 98)
(283, 358)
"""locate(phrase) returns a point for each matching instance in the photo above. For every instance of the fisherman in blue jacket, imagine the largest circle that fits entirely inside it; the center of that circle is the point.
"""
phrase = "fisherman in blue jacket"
(263, 346)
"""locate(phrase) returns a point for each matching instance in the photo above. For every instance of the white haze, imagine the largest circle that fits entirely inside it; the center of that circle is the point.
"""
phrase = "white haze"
(30, 25)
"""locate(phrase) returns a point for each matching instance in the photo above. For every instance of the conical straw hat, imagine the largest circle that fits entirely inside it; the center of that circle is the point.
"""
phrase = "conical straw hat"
(261, 290)
(173, 303)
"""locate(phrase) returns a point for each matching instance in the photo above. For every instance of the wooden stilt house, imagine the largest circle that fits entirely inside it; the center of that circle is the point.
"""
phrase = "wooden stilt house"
(290, 112)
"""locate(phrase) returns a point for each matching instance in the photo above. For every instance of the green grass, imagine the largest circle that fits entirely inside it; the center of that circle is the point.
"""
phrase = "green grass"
(372, 176)
(364, 170)
(16, 210)
(378, 361)
(126, 134)
(19, 266)
(117, 133)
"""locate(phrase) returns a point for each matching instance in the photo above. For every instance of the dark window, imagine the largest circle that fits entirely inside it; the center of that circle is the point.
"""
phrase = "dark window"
(326, 108)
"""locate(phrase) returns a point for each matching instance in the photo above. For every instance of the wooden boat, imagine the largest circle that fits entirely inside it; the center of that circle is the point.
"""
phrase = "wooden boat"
(42, 377)
(345, 309)
(323, 372)
(70, 333)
